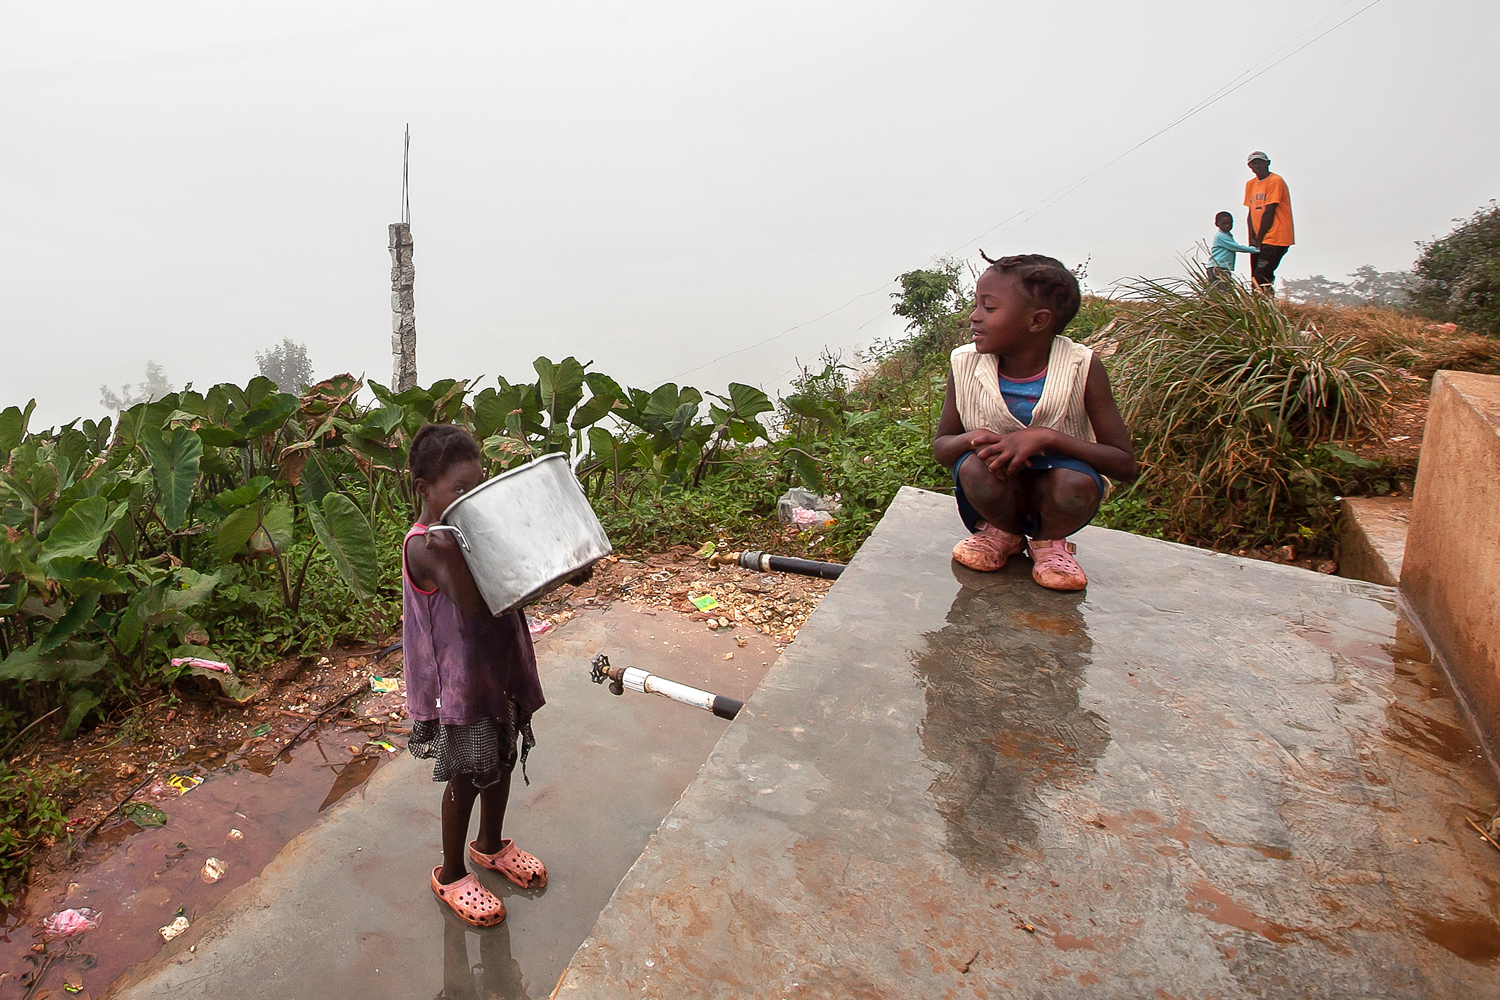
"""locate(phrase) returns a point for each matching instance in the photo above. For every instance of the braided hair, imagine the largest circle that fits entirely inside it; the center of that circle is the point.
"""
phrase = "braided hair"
(1046, 281)
(436, 448)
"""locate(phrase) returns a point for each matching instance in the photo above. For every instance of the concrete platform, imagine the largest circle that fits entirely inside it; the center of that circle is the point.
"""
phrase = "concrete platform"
(1203, 777)
(345, 909)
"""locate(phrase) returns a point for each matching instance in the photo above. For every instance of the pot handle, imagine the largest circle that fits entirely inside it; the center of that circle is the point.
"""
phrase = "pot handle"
(462, 541)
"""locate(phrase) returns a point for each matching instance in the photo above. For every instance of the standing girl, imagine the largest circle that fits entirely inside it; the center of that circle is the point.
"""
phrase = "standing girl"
(471, 683)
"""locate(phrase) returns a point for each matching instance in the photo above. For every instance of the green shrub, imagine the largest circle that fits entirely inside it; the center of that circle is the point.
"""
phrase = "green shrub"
(1458, 276)
(29, 816)
(1236, 413)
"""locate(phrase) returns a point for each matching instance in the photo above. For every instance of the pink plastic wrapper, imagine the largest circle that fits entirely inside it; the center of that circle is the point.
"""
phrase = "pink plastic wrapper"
(66, 923)
(538, 626)
(194, 661)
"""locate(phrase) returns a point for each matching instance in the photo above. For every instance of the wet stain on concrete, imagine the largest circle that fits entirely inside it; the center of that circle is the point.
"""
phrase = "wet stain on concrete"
(1469, 936)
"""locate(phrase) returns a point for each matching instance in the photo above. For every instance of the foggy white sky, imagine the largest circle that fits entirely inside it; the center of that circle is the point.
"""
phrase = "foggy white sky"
(656, 186)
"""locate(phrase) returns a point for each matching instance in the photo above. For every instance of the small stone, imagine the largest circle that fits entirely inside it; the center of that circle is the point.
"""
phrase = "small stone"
(741, 641)
(728, 656)
(214, 869)
(234, 835)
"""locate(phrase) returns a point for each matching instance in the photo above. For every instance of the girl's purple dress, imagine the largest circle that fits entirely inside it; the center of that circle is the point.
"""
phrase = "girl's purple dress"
(471, 684)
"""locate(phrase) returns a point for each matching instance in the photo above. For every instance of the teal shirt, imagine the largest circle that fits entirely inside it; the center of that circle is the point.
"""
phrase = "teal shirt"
(1224, 249)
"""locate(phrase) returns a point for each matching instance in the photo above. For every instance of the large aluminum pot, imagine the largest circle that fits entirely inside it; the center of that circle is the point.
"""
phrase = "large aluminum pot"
(525, 532)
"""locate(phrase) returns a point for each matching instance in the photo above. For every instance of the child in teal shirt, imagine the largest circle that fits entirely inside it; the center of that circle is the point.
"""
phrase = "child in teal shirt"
(1223, 250)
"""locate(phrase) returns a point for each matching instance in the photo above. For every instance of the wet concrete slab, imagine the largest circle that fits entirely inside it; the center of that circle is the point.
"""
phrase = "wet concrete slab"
(1202, 777)
(345, 909)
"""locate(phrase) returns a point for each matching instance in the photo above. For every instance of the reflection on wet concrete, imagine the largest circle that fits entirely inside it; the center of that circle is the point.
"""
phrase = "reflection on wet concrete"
(496, 975)
(1204, 777)
(1002, 680)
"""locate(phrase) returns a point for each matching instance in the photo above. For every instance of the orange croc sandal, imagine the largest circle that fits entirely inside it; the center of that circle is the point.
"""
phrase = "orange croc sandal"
(523, 869)
(473, 903)
(1055, 568)
(988, 549)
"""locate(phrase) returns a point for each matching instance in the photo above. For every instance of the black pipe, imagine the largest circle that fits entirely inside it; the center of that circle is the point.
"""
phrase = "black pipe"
(726, 707)
(767, 563)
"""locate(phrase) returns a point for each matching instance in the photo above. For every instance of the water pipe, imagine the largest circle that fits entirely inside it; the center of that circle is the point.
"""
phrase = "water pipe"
(636, 679)
(764, 562)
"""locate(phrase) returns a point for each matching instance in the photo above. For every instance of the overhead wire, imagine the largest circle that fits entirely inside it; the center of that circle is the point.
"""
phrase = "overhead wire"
(1031, 211)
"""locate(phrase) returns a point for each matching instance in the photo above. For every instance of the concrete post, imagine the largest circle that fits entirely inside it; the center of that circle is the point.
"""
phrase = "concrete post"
(403, 308)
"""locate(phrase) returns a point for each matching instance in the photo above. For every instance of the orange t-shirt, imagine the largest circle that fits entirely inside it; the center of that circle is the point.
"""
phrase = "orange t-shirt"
(1271, 191)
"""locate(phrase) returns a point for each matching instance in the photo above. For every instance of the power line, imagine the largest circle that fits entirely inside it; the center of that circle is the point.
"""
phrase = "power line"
(1036, 208)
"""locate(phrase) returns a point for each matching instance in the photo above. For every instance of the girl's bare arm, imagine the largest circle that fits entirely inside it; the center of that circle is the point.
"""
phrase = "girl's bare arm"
(439, 563)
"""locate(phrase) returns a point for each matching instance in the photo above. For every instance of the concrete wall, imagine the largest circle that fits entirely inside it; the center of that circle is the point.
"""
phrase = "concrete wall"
(1373, 538)
(1451, 570)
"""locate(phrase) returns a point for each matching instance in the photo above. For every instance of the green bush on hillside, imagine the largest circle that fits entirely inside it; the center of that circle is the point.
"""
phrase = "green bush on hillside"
(1458, 276)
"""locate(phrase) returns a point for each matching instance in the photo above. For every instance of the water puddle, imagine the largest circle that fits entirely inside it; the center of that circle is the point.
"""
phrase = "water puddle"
(1470, 936)
(140, 877)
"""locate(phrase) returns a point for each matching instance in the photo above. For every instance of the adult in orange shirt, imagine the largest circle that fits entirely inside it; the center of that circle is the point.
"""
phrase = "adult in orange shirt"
(1269, 220)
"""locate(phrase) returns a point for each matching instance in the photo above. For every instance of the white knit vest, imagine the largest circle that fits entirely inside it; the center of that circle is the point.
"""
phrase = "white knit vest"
(976, 390)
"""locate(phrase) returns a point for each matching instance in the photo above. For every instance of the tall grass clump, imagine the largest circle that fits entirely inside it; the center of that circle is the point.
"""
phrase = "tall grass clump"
(1238, 412)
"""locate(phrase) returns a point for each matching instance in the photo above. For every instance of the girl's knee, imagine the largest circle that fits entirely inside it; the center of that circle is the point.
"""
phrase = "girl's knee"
(1071, 492)
(978, 481)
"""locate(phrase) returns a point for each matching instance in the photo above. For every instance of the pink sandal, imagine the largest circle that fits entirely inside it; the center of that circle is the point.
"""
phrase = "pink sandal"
(473, 903)
(523, 869)
(987, 549)
(1055, 568)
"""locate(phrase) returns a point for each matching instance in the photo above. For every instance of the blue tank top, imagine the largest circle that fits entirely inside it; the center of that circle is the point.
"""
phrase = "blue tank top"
(1021, 396)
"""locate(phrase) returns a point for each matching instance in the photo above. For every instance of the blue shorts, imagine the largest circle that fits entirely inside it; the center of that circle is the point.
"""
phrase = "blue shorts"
(1037, 463)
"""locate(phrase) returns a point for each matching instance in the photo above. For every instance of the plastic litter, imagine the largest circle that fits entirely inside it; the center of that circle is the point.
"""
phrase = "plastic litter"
(66, 923)
(144, 814)
(175, 928)
(72, 987)
(382, 744)
(184, 783)
(706, 551)
(214, 869)
(705, 603)
(234, 835)
(261, 730)
(219, 673)
(806, 510)
(539, 626)
(193, 661)
(384, 685)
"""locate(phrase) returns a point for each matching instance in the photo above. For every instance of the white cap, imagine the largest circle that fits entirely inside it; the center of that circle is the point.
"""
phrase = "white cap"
(1257, 155)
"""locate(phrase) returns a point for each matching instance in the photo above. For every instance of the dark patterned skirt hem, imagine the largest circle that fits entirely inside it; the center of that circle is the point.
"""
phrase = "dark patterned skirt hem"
(483, 751)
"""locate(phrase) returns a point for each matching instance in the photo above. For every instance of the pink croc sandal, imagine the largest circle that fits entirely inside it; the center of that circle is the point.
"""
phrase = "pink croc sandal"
(523, 869)
(473, 903)
(987, 549)
(1055, 568)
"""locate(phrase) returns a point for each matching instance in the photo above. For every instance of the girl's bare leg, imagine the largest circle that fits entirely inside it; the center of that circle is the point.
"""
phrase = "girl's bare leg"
(1064, 500)
(492, 801)
(458, 807)
(996, 497)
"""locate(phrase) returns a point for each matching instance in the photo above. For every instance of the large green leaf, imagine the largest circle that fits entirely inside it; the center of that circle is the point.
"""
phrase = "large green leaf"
(346, 536)
(746, 402)
(560, 386)
(275, 534)
(235, 530)
(806, 467)
(174, 464)
(79, 614)
(268, 416)
(13, 423)
(82, 530)
(71, 663)
(243, 495)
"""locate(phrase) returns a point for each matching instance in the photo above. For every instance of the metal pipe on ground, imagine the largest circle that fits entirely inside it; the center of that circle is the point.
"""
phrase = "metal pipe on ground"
(765, 562)
(640, 680)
